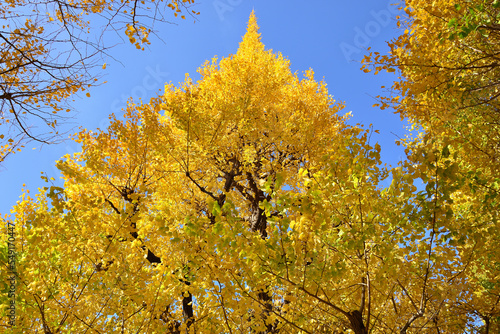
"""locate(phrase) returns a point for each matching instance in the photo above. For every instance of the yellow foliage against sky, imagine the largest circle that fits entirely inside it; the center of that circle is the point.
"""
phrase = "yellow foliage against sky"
(49, 52)
(243, 203)
(447, 60)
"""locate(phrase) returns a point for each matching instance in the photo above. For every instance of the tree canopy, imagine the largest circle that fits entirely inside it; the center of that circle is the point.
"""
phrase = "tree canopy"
(244, 203)
(448, 88)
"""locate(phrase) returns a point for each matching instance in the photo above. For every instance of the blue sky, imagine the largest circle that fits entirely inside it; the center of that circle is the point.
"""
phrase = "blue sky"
(328, 36)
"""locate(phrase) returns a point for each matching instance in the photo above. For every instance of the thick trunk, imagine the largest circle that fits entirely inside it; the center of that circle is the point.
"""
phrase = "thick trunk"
(258, 223)
(356, 320)
(258, 220)
(187, 310)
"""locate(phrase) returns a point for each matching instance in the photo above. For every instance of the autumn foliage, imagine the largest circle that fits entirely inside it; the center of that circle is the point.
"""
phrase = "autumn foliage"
(244, 203)
(448, 88)
(51, 50)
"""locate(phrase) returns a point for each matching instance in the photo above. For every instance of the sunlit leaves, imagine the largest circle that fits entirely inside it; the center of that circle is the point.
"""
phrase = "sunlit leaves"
(49, 52)
(448, 89)
(243, 202)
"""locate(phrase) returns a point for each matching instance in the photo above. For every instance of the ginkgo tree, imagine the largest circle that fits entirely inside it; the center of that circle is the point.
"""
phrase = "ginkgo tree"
(244, 203)
(50, 50)
(447, 59)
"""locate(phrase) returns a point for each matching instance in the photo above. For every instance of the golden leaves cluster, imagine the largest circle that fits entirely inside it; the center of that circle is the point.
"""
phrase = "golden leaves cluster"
(243, 202)
(446, 60)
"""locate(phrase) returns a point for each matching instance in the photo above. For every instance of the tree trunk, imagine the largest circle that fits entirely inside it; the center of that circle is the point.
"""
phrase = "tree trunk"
(356, 320)
(187, 310)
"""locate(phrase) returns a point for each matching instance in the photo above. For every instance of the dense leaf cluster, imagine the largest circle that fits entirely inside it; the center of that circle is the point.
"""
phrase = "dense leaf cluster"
(244, 203)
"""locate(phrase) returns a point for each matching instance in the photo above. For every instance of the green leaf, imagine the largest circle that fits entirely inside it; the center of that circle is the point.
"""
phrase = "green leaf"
(445, 152)
(216, 210)
(279, 180)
